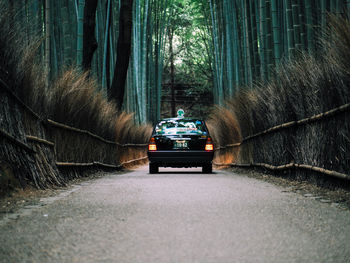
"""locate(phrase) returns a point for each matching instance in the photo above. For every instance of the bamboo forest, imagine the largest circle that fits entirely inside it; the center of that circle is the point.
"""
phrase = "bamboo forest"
(183, 52)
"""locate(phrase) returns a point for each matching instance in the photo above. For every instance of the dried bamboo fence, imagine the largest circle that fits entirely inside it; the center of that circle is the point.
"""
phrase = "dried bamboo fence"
(244, 151)
(41, 151)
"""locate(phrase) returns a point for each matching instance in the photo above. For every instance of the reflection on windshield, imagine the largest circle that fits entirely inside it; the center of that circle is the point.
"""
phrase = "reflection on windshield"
(175, 127)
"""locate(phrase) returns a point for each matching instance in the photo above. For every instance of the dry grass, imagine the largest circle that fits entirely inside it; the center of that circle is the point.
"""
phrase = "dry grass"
(301, 88)
(73, 100)
(224, 128)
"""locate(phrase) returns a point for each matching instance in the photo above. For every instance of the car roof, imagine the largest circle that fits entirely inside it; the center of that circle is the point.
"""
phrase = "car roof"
(185, 118)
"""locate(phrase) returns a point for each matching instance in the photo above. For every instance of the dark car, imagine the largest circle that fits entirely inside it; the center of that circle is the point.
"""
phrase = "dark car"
(180, 142)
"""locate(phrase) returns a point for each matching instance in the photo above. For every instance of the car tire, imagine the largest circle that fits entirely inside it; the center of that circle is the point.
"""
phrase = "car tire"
(153, 168)
(207, 168)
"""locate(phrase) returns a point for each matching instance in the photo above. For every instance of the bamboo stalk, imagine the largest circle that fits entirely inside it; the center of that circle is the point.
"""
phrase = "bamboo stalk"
(105, 47)
(247, 42)
(47, 42)
(144, 59)
(68, 164)
(133, 145)
(237, 48)
(302, 22)
(275, 168)
(262, 41)
(64, 164)
(234, 145)
(221, 164)
(294, 165)
(135, 160)
(255, 42)
(276, 30)
(323, 13)
(269, 39)
(16, 141)
(80, 21)
(314, 118)
(40, 140)
(229, 46)
(66, 127)
(228, 146)
(241, 165)
(66, 31)
(290, 28)
(324, 171)
(296, 24)
(309, 26)
(107, 165)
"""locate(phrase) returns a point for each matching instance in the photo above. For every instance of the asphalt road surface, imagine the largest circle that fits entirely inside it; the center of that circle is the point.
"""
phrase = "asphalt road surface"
(174, 216)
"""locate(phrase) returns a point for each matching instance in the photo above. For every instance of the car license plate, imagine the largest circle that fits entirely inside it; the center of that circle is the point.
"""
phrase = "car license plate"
(180, 144)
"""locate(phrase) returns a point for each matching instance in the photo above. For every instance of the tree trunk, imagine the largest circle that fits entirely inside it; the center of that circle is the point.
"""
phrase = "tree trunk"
(123, 53)
(89, 39)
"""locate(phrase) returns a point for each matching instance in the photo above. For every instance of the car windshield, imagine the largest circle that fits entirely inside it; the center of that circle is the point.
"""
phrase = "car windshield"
(179, 126)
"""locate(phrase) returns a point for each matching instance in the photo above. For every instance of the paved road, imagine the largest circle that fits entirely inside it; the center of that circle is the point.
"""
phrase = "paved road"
(176, 217)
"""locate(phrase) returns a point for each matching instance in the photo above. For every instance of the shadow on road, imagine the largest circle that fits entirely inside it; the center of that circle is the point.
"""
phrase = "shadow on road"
(183, 172)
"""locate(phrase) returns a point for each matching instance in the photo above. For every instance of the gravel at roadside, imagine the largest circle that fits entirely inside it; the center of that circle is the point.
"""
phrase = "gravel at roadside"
(332, 195)
(19, 198)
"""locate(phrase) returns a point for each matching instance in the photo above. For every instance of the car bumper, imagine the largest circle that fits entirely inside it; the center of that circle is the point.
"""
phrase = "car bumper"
(180, 158)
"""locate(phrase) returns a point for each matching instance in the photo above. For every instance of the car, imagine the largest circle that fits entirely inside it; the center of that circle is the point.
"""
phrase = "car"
(180, 142)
